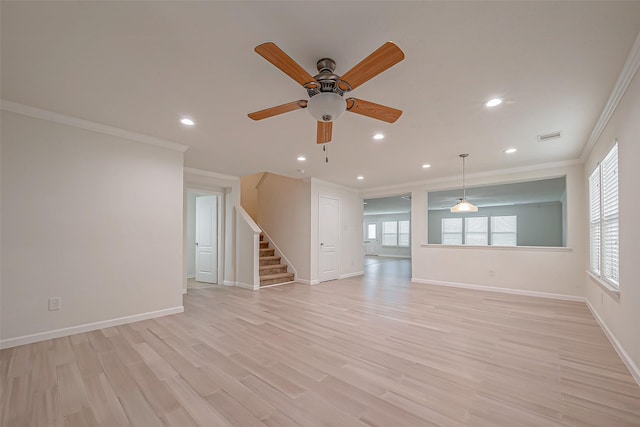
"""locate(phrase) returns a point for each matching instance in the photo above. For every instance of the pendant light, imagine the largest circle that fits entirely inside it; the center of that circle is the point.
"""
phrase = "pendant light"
(463, 205)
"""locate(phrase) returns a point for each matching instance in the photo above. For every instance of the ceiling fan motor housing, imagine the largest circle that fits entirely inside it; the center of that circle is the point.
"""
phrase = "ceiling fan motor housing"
(326, 103)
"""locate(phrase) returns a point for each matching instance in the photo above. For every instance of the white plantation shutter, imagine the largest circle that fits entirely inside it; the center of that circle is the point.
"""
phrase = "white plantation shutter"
(610, 251)
(403, 233)
(594, 221)
(476, 231)
(451, 231)
(390, 233)
(504, 230)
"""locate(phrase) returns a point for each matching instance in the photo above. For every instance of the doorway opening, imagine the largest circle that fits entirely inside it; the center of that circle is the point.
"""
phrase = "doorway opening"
(203, 238)
(387, 235)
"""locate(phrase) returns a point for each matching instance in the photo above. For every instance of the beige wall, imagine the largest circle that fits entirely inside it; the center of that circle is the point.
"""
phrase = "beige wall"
(91, 218)
(284, 214)
(249, 194)
(622, 317)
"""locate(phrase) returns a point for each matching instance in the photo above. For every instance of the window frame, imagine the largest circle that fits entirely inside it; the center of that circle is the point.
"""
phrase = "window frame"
(607, 253)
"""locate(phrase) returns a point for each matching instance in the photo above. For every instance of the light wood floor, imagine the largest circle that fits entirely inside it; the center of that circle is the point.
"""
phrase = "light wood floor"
(374, 351)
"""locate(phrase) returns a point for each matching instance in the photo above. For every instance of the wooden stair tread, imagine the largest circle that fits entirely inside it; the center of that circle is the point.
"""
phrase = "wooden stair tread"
(276, 276)
(269, 267)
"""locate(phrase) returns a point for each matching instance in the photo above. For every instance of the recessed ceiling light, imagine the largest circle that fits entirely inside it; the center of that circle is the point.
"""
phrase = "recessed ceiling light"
(378, 136)
(187, 121)
(510, 150)
(360, 177)
(301, 158)
(426, 166)
(493, 102)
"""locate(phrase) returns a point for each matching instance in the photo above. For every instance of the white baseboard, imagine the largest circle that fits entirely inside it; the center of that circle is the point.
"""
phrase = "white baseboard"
(246, 286)
(191, 276)
(87, 327)
(631, 366)
(228, 283)
(394, 256)
(307, 282)
(347, 275)
(500, 290)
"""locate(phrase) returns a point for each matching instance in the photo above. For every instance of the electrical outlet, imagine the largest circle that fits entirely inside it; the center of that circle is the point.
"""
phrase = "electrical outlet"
(492, 273)
(55, 303)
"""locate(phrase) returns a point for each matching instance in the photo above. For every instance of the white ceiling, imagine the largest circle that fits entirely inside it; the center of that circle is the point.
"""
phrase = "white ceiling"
(140, 65)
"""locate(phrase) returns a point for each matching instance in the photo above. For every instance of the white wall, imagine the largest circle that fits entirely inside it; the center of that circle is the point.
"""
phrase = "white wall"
(386, 250)
(538, 224)
(247, 250)
(284, 214)
(554, 270)
(622, 317)
(351, 235)
(91, 218)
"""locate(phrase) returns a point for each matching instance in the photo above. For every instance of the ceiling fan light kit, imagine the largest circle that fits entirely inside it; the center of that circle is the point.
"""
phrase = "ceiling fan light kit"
(326, 90)
(463, 206)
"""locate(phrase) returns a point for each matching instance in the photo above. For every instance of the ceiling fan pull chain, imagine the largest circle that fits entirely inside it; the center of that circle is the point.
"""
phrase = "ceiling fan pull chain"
(326, 156)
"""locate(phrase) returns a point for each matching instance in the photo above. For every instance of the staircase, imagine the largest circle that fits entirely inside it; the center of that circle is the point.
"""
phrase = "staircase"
(272, 271)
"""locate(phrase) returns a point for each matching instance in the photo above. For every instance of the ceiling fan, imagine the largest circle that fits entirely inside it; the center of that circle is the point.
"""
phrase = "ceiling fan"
(326, 90)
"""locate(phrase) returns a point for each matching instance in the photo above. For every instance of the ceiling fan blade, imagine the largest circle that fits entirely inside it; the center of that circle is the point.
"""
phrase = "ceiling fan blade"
(280, 109)
(386, 56)
(375, 111)
(324, 132)
(284, 63)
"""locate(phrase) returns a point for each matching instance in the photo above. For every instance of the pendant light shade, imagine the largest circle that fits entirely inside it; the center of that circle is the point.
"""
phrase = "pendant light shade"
(463, 205)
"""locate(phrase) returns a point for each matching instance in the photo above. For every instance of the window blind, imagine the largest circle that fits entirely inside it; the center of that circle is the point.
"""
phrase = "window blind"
(451, 231)
(610, 232)
(476, 231)
(594, 221)
(403, 233)
(504, 230)
(390, 233)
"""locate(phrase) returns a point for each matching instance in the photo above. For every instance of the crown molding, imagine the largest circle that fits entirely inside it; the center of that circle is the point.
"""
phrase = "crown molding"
(624, 79)
(63, 119)
(210, 174)
(333, 184)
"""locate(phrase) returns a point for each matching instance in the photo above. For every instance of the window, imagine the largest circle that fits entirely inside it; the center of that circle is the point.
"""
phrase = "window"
(504, 230)
(390, 233)
(603, 219)
(372, 231)
(451, 231)
(395, 233)
(476, 231)
(403, 233)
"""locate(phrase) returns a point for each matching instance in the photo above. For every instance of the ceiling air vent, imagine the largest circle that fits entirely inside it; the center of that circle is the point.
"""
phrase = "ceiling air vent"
(550, 136)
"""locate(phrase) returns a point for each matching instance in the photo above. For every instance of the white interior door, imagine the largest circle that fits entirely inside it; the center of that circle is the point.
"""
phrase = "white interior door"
(329, 236)
(207, 239)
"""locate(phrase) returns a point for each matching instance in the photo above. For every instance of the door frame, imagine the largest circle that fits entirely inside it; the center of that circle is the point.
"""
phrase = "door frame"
(220, 224)
(320, 196)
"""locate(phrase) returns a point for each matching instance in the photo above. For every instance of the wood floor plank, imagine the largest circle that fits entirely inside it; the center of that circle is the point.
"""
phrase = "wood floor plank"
(375, 350)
